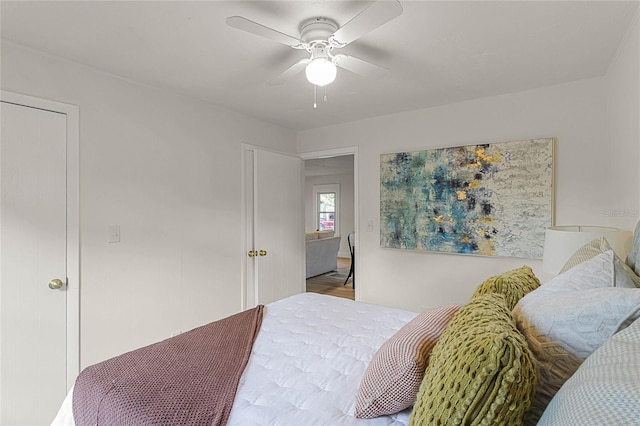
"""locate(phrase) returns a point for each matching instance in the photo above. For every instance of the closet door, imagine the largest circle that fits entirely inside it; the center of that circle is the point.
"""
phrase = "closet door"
(274, 259)
(33, 268)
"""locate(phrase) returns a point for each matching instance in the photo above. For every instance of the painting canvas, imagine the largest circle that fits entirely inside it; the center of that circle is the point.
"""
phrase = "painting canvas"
(493, 199)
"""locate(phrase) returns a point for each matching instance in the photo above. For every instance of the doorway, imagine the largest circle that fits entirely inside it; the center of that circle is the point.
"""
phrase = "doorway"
(331, 207)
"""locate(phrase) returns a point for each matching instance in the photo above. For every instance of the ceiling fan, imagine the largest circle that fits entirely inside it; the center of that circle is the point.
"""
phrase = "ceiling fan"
(320, 36)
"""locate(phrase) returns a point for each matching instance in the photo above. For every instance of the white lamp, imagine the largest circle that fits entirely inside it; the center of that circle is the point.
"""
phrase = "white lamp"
(560, 242)
(321, 71)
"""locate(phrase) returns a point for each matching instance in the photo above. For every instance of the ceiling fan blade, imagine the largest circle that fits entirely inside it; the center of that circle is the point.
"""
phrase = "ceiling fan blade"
(375, 15)
(289, 72)
(258, 29)
(359, 66)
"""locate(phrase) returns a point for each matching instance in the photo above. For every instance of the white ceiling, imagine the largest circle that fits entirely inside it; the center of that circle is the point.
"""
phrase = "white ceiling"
(438, 52)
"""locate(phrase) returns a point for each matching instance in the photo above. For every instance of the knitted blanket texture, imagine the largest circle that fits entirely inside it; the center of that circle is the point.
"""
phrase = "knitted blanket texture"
(189, 379)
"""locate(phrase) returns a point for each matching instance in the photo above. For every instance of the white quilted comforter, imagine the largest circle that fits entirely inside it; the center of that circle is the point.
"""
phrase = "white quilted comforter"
(307, 362)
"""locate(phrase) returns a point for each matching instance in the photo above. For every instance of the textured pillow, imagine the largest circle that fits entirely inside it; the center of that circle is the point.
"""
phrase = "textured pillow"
(623, 275)
(310, 236)
(513, 285)
(481, 371)
(633, 259)
(390, 383)
(568, 318)
(606, 387)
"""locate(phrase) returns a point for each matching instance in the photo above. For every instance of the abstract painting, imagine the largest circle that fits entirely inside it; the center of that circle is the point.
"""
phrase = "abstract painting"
(492, 199)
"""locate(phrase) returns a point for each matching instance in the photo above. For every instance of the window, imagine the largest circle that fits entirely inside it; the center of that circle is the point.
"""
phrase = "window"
(326, 207)
(326, 211)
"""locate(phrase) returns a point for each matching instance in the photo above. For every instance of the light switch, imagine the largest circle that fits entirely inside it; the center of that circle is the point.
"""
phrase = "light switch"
(370, 225)
(114, 234)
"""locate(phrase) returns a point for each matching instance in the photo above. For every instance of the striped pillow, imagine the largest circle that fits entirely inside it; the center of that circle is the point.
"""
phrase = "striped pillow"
(624, 275)
(392, 379)
(633, 259)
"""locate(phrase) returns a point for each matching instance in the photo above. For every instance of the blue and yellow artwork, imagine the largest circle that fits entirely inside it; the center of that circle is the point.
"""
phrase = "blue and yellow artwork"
(493, 199)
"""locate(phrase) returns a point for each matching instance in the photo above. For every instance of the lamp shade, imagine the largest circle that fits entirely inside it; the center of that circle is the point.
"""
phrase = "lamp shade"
(321, 71)
(561, 242)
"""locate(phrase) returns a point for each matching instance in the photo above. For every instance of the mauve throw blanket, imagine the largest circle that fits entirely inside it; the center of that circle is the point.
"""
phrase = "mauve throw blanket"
(190, 379)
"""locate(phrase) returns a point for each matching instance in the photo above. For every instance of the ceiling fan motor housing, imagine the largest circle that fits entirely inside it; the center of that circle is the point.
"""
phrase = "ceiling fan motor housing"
(317, 29)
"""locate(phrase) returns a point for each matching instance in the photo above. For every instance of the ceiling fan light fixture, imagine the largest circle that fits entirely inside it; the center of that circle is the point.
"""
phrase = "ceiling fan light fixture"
(321, 71)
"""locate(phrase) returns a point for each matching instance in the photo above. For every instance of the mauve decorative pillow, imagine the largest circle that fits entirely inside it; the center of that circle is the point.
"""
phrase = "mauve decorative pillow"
(392, 379)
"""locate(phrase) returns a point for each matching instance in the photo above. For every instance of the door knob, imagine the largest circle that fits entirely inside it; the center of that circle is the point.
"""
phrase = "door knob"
(262, 252)
(55, 284)
(251, 253)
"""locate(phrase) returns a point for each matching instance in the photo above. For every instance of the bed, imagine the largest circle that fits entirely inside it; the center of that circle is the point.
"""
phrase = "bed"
(307, 363)
(563, 353)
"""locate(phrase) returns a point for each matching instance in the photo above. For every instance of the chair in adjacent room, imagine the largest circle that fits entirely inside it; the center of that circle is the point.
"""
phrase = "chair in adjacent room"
(352, 249)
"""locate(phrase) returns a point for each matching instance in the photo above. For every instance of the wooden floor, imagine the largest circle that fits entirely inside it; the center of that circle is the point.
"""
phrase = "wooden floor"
(326, 284)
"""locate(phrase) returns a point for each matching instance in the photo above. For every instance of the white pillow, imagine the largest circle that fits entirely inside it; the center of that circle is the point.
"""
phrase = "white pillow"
(606, 387)
(568, 318)
(596, 272)
(623, 275)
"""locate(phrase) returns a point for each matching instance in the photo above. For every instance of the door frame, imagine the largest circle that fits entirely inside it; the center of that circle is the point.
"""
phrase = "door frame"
(73, 219)
(351, 150)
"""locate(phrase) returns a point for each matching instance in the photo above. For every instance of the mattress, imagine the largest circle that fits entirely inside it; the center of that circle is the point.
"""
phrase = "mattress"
(307, 362)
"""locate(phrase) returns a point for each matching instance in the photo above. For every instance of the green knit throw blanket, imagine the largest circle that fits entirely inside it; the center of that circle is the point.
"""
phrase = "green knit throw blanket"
(513, 285)
(481, 371)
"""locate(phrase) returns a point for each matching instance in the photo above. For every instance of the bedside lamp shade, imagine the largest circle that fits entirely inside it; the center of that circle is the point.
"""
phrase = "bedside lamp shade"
(560, 242)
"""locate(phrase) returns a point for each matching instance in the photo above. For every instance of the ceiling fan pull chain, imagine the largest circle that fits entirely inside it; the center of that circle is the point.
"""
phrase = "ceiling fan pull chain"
(325, 93)
(315, 105)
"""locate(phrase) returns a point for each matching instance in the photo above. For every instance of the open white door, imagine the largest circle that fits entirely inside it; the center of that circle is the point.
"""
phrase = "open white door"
(274, 243)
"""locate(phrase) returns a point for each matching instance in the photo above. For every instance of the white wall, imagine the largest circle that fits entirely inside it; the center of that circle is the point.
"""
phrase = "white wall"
(346, 205)
(623, 120)
(574, 113)
(167, 170)
(159, 165)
